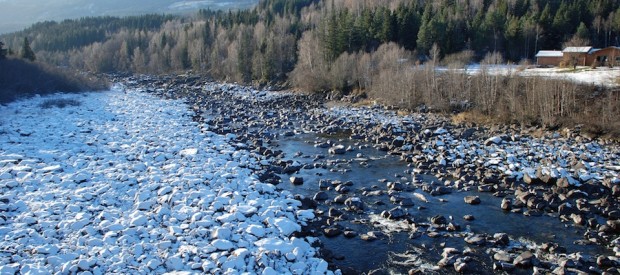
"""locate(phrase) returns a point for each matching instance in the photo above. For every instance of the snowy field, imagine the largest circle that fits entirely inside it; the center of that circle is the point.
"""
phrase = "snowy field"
(125, 182)
(604, 76)
(609, 77)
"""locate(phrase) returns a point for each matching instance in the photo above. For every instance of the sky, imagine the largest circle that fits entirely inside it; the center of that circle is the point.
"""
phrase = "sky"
(19, 14)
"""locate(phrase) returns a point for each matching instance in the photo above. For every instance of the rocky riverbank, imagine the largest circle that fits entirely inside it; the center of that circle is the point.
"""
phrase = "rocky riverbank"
(559, 174)
(125, 182)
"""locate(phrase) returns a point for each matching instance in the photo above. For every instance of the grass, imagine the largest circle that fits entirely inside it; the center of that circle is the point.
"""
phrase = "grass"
(473, 117)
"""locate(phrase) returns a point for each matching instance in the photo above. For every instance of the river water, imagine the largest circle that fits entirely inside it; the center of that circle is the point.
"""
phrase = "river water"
(368, 169)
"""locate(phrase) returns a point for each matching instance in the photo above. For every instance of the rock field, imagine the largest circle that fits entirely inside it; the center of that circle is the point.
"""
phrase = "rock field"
(125, 182)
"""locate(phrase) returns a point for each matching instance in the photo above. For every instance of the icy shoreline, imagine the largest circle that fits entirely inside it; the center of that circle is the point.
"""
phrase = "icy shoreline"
(126, 182)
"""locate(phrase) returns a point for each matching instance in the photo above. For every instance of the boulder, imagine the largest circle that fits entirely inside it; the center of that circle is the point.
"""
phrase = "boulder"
(394, 213)
(473, 200)
(439, 220)
(320, 196)
(506, 204)
(524, 259)
(296, 180)
(332, 232)
(337, 150)
(354, 204)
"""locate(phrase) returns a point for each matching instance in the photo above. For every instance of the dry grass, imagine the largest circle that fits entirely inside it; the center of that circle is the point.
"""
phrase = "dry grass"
(473, 117)
(365, 102)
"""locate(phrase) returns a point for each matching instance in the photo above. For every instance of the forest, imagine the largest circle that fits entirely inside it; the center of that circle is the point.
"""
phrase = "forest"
(371, 47)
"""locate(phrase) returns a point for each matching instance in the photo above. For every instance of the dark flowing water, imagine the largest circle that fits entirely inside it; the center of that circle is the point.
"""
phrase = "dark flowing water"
(362, 255)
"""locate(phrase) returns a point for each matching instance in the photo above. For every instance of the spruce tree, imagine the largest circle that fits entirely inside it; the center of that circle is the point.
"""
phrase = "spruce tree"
(27, 52)
(583, 32)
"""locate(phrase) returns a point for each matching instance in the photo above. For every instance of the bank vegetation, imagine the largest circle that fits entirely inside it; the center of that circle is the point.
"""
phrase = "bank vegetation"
(388, 50)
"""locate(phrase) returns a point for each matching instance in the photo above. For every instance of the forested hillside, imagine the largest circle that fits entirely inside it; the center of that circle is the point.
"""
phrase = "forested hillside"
(340, 45)
(261, 44)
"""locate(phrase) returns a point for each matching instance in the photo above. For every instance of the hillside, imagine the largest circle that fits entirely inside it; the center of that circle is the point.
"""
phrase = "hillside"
(17, 14)
(19, 78)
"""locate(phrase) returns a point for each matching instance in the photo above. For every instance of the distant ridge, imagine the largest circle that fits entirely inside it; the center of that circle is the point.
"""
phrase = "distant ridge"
(18, 14)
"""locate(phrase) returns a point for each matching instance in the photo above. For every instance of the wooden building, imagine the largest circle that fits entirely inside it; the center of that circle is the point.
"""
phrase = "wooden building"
(580, 56)
(577, 56)
(609, 56)
(549, 58)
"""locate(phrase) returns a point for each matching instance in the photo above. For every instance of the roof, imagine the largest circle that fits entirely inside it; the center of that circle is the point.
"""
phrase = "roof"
(608, 48)
(549, 54)
(584, 49)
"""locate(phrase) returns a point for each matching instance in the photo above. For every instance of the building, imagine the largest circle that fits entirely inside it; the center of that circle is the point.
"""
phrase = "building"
(580, 56)
(549, 58)
(577, 56)
(609, 56)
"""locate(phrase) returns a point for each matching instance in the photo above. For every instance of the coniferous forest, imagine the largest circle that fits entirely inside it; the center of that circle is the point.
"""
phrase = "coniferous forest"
(350, 45)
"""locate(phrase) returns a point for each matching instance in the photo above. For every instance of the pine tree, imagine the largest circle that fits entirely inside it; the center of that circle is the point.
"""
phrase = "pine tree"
(583, 32)
(27, 52)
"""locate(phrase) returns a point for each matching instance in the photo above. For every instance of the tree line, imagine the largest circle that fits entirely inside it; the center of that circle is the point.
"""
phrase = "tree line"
(237, 39)
(371, 46)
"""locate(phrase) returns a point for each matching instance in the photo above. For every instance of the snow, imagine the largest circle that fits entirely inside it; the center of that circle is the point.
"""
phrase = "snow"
(604, 76)
(127, 183)
(577, 49)
(549, 54)
(609, 77)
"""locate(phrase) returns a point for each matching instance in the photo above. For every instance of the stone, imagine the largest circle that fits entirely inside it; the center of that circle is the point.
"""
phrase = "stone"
(320, 196)
(367, 237)
(349, 234)
(395, 186)
(578, 219)
(340, 199)
(475, 239)
(525, 259)
(222, 244)
(398, 142)
(337, 150)
(453, 227)
(439, 220)
(332, 232)
(407, 202)
(461, 267)
(343, 189)
(447, 260)
(604, 261)
(354, 204)
(394, 213)
(502, 256)
(296, 180)
(473, 200)
(501, 239)
(503, 266)
(506, 204)
(493, 140)
(334, 213)
(324, 184)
